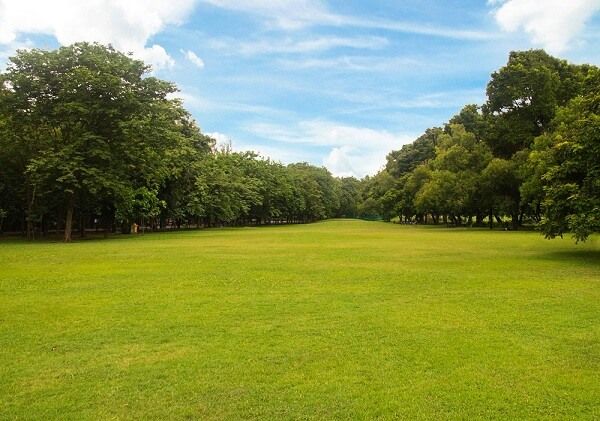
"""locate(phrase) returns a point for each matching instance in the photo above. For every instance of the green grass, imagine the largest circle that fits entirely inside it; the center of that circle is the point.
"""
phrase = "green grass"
(341, 319)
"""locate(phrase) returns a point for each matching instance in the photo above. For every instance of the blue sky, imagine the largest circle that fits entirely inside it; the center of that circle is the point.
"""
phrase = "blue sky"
(334, 83)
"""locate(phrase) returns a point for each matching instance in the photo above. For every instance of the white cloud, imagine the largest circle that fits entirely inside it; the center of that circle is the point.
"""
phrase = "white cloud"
(189, 101)
(155, 55)
(196, 102)
(127, 25)
(222, 139)
(347, 161)
(355, 63)
(552, 24)
(325, 133)
(296, 14)
(193, 58)
(8, 50)
(353, 150)
(291, 46)
(286, 14)
(278, 153)
(388, 102)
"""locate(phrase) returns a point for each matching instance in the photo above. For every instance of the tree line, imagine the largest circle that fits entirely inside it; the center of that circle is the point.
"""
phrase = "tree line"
(530, 154)
(88, 139)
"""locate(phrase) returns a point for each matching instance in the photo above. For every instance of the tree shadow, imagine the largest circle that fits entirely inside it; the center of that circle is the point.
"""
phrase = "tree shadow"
(586, 257)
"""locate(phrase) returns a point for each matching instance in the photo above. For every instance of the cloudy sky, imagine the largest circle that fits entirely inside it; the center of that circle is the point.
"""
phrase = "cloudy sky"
(338, 83)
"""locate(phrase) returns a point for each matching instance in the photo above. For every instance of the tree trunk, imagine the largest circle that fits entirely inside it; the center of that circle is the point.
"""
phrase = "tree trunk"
(515, 221)
(479, 219)
(82, 225)
(30, 227)
(69, 218)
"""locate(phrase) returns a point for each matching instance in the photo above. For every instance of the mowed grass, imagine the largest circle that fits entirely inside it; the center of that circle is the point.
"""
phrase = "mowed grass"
(334, 320)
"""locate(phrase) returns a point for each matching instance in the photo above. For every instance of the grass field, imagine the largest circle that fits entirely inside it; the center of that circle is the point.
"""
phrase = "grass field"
(340, 319)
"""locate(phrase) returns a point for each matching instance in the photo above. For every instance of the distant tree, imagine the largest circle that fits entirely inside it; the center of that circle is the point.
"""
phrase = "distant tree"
(472, 119)
(319, 189)
(349, 193)
(501, 185)
(374, 203)
(412, 155)
(455, 180)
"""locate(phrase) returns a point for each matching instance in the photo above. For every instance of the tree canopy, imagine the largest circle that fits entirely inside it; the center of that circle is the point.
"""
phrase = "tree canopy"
(529, 154)
(90, 139)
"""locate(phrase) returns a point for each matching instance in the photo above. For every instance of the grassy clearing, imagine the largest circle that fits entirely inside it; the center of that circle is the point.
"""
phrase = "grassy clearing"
(341, 319)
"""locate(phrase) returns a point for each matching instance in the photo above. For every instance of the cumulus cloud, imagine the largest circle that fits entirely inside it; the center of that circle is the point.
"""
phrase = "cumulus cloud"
(553, 24)
(127, 25)
(355, 151)
(193, 58)
(155, 55)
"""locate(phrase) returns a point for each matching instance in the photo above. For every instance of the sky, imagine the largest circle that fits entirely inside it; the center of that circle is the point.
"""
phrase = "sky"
(338, 83)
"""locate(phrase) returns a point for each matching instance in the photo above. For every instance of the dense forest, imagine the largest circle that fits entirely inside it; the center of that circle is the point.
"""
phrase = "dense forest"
(89, 140)
(531, 153)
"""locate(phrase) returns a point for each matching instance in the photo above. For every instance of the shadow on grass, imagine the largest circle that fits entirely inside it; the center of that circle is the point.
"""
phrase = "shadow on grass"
(91, 237)
(463, 228)
(587, 257)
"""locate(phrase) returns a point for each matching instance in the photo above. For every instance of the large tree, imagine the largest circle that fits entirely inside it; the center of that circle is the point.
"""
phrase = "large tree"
(523, 96)
(92, 123)
(570, 158)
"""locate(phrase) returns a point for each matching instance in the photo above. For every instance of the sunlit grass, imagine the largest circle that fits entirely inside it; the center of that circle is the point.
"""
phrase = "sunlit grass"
(341, 319)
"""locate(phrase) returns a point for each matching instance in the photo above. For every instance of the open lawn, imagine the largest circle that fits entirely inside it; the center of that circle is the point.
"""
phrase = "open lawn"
(340, 319)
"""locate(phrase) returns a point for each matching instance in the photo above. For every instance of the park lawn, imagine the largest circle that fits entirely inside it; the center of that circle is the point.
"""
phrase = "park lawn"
(334, 320)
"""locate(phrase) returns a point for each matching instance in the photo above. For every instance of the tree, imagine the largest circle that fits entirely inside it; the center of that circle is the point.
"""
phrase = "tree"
(374, 203)
(349, 197)
(472, 119)
(410, 156)
(93, 124)
(454, 182)
(523, 96)
(319, 190)
(571, 179)
(225, 189)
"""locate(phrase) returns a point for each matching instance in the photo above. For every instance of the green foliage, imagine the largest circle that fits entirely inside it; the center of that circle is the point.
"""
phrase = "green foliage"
(93, 127)
(570, 158)
(375, 197)
(471, 118)
(410, 156)
(530, 153)
(86, 132)
(349, 196)
(523, 97)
